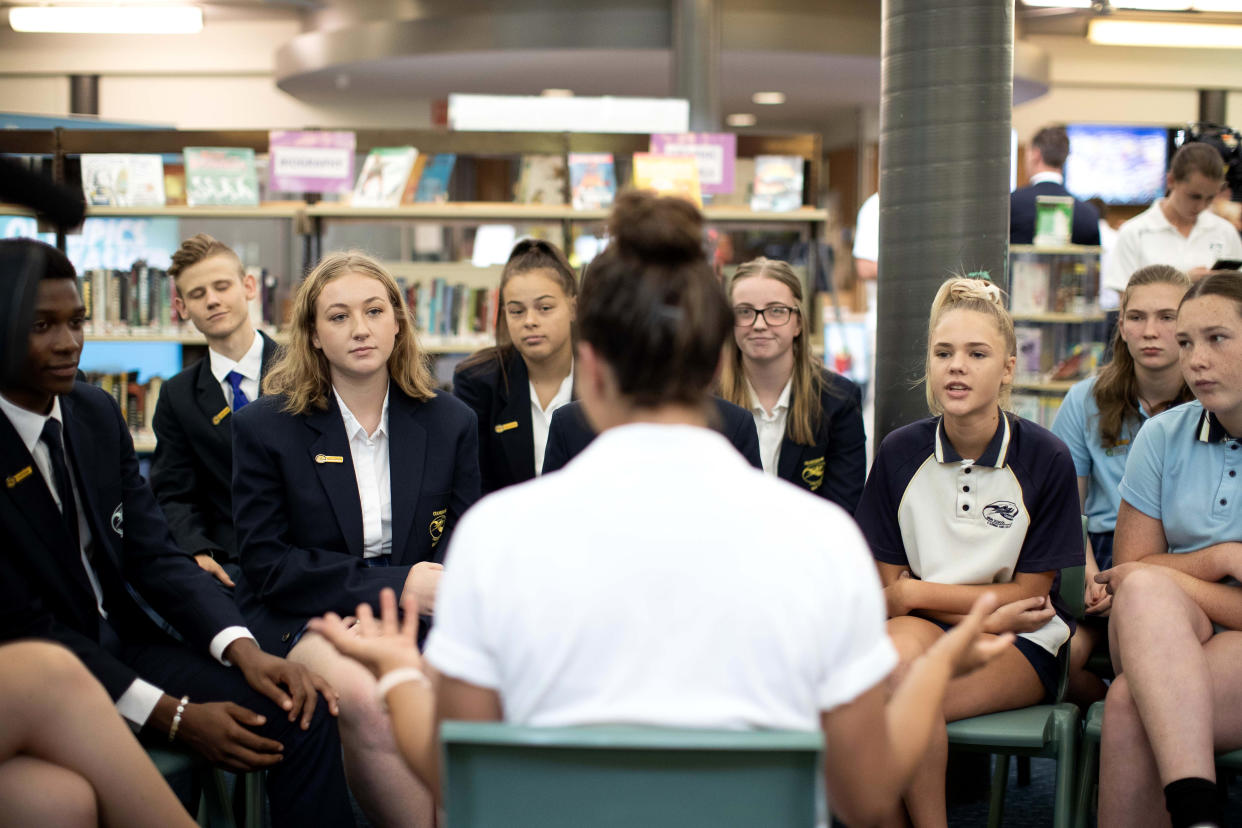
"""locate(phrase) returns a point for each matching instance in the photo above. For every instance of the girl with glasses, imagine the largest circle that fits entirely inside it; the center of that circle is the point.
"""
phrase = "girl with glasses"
(972, 500)
(808, 418)
(517, 385)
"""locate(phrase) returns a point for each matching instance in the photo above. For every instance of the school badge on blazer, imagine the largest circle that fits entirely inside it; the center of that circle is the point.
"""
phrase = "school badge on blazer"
(12, 480)
(438, 519)
(813, 473)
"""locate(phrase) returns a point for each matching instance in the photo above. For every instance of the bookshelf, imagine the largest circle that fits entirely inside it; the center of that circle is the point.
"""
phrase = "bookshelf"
(295, 227)
(1061, 332)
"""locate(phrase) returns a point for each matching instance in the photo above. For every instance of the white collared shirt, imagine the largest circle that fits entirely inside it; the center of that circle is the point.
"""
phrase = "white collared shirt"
(771, 425)
(140, 698)
(541, 418)
(1041, 177)
(371, 470)
(250, 366)
(1149, 238)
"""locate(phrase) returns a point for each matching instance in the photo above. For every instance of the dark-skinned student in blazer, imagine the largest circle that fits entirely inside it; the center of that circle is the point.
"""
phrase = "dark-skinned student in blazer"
(84, 540)
(516, 387)
(192, 468)
(348, 477)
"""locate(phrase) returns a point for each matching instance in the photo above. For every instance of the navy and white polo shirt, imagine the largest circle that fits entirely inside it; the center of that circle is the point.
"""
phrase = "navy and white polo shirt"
(957, 521)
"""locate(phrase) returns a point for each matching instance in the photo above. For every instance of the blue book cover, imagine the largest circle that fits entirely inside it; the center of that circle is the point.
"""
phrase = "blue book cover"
(433, 186)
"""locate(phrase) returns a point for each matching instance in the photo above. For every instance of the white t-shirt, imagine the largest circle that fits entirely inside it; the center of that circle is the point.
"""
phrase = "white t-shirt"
(669, 583)
(867, 230)
(1149, 239)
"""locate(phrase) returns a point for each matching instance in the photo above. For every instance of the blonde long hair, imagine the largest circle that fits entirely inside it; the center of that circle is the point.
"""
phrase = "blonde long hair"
(805, 406)
(302, 374)
(962, 293)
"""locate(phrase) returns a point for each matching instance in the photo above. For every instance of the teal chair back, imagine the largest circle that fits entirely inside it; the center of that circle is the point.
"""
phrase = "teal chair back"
(600, 777)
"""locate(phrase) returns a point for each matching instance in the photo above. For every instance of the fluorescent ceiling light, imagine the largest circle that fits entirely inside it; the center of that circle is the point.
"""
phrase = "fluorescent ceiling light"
(557, 93)
(1217, 5)
(741, 119)
(1151, 5)
(1183, 35)
(768, 98)
(1059, 4)
(107, 20)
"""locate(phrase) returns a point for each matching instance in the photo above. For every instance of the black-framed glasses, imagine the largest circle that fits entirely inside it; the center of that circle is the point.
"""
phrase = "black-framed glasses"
(774, 315)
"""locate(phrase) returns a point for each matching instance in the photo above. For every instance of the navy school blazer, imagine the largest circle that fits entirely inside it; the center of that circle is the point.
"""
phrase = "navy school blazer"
(570, 433)
(44, 591)
(835, 467)
(501, 401)
(299, 520)
(192, 468)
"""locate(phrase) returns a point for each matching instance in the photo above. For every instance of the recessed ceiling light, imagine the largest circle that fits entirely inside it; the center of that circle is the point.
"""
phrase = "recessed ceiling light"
(1145, 33)
(768, 98)
(107, 20)
(741, 119)
(557, 93)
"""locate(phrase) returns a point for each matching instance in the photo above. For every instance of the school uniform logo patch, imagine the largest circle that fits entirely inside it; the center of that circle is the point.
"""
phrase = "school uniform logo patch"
(438, 519)
(813, 473)
(1000, 514)
(118, 519)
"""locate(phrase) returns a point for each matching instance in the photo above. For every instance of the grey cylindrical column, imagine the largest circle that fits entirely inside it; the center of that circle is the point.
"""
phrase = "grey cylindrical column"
(696, 60)
(1212, 106)
(945, 113)
(84, 94)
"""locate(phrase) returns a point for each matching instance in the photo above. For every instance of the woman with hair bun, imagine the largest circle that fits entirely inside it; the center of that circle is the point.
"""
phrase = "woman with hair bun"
(516, 386)
(972, 500)
(669, 582)
(808, 418)
(349, 476)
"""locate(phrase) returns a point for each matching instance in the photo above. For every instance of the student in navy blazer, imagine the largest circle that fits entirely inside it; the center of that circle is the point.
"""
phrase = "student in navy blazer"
(571, 433)
(516, 386)
(85, 541)
(809, 419)
(348, 477)
(192, 468)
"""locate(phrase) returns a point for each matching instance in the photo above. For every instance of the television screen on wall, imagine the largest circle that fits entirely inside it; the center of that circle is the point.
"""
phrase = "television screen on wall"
(1119, 164)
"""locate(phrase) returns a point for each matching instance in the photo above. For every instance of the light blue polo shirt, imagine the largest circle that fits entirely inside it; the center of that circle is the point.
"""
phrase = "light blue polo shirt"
(1078, 425)
(1185, 470)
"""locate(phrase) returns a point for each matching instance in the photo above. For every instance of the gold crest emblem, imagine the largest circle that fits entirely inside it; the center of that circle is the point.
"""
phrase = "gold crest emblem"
(813, 473)
(12, 480)
(438, 519)
(220, 415)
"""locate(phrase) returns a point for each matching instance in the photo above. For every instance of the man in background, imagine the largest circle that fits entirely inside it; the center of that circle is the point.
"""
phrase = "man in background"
(1045, 165)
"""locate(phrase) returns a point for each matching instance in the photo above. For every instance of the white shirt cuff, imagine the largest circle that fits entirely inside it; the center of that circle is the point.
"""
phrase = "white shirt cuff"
(137, 702)
(224, 638)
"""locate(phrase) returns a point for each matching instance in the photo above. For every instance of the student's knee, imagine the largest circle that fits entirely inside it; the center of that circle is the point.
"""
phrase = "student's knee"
(1143, 588)
(363, 722)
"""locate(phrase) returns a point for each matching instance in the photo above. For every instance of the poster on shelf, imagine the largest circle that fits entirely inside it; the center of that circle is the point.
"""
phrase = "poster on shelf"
(778, 183)
(220, 177)
(715, 153)
(123, 180)
(384, 177)
(592, 180)
(310, 162)
(114, 243)
(673, 175)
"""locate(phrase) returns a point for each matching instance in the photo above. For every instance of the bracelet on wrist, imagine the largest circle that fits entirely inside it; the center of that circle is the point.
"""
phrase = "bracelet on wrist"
(400, 675)
(176, 721)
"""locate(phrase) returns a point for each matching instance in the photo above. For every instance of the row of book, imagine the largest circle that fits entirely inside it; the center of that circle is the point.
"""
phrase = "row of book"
(1038, 408)
(140, 301)
(454, 311)
(137, 400)
(692, 165)
(1054, 283)
(1058, 353)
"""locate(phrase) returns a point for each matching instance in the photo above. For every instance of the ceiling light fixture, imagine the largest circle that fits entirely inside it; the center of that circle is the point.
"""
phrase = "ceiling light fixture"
(1180, 35)
(741, 119)
(1058, 4)
(768, 98)
(1151, 5)
(557, 93)
(1217, 5)
(107, 19)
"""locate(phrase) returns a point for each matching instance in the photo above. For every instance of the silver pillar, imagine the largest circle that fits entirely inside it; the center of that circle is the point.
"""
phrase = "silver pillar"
(945, 114)
(1212, 106)
(696, 60)
(84, 94)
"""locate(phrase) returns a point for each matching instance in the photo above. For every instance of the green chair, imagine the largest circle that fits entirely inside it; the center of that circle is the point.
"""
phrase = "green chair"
(1042, 730)
(1089, 764)
(605, 776)
(207, 787)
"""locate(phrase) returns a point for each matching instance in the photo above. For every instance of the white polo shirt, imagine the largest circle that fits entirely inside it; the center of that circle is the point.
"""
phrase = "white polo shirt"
(1149, 239)
(957, 521)
(670, 584)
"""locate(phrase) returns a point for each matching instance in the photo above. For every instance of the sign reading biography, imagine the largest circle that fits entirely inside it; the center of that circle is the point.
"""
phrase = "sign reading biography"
(311, 162)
